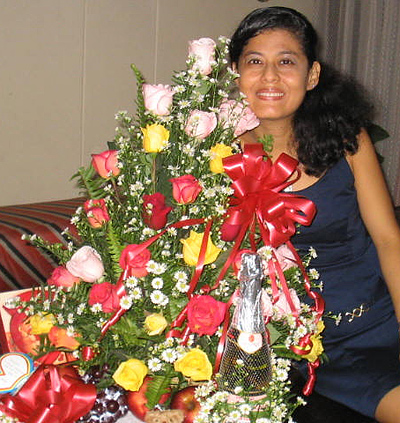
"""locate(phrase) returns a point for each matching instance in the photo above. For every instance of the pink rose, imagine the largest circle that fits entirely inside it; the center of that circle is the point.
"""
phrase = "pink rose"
(105, 294)
(285, 257)
(97, 213)
(158, 98)
(185, 189)
(105, 163)
(61, 277)
(205, 314)
(266, 306)
(155, 212)
(200, 124)
(235, 114)
(134, 259)
(203, 51)
(282, 307)
(86, 264)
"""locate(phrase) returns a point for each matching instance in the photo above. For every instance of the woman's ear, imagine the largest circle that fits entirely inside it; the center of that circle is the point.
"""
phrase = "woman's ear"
(313, 76)
(235, 69)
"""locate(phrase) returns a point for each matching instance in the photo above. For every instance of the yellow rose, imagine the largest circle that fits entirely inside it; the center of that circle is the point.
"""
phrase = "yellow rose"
(130, 374)
(218, 152)
(41, 324)
(191, 249)
(194, 364)
(155, 138)
(155, 324)
(317, 348)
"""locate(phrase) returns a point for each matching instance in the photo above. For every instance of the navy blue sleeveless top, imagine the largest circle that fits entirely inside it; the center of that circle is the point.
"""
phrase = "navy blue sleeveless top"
(363, 349)
(347, 259)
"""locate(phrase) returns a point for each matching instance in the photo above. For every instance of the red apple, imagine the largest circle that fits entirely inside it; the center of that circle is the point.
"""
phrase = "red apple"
(137, 400)
(186, 401)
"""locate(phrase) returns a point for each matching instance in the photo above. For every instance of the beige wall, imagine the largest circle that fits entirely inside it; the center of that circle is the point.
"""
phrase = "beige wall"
(65, 71)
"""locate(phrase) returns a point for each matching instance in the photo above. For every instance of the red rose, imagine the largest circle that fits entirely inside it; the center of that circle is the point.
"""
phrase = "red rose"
(155, 211)
(105, 294)
(205, 314)
(106, 163)
(229, 232)
(134, 258)
(185, 189)
(97, 213)
(61, 277)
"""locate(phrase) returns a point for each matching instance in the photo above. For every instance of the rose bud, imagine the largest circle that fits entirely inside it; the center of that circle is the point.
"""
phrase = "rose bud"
(203, 52)
(86, 264)
(155, 212)
(106, 163)
(96, 211)
(236, 115)
(185, 189)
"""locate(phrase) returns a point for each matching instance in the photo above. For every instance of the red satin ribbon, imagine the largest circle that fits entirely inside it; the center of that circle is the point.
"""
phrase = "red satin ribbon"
(257, 198)
(52, 394)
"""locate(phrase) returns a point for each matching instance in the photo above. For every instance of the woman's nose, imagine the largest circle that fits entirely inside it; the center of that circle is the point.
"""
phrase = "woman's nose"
(270, 73)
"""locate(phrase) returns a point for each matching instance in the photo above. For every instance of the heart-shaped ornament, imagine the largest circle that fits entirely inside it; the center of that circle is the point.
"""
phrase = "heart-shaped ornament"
(14, 369)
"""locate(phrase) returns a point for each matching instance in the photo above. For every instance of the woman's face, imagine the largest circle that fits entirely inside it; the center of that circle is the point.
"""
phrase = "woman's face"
(275, 75)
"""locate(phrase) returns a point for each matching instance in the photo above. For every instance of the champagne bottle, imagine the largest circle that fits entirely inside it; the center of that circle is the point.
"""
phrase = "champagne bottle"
(246, 360)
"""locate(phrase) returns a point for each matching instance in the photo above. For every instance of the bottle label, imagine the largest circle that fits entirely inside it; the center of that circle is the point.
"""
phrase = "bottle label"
(250, 342)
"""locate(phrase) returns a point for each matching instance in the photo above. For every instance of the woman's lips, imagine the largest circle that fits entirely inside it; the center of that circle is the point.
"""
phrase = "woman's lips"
(270, 95)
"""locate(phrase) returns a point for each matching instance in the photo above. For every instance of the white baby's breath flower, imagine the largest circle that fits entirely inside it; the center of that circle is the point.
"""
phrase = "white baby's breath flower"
(172, 231)
(169, 355)
(136, 293)
(60, 319)
(245, 409)
(131, 282)
(154, 364)
(126, 302)
(314, 274)
(220, 209)
(157, 283)
(182, 286)
(70, 318)
(157, 297)
(313, 252)
(96, 308)
(80, 309)
(180, 276)
(147, 232)
(281, 375)
(235, 415)
(156, 268)
(70, 331)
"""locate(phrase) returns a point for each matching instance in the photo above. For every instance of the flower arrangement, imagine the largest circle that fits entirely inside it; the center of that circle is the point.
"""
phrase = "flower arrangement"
(146, 287)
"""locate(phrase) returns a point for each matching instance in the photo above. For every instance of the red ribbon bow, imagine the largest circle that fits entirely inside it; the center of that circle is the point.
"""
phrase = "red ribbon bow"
(52, 394)
(257, 198)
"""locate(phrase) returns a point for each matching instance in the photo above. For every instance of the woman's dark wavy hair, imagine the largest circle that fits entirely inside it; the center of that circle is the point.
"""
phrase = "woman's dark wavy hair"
(333, 113)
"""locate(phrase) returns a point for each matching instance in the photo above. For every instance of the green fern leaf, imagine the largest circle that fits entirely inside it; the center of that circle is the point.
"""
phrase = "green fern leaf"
(141, 117)
(158, 386)
(114, 248)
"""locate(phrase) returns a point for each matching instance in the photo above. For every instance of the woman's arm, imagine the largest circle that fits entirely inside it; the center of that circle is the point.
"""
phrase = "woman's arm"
(378, 214)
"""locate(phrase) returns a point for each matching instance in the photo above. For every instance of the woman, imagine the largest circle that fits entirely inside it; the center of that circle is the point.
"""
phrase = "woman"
(318, 117)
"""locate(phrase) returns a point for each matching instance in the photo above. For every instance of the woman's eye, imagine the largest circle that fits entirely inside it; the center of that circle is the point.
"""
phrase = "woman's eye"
(286, 62)
(254, 61)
